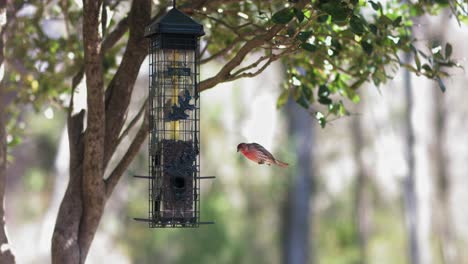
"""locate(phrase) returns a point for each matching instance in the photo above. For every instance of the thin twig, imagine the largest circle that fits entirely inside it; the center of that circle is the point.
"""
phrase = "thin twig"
(222, 51)
(132, 123)
(133, 149)
(205, 48)
(115, 35)
(252, 65)
(271, 58)
(261, 69)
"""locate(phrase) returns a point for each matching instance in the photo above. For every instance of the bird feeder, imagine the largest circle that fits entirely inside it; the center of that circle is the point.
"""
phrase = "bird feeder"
(174, 115)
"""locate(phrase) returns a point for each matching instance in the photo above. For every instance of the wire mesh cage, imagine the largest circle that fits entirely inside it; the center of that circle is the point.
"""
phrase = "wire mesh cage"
(174, 109)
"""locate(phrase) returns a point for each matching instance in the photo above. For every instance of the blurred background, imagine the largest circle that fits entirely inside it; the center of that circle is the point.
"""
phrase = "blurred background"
(347, 196)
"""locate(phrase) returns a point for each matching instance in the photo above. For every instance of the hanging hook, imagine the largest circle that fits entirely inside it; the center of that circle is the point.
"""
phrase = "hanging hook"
(173, 3)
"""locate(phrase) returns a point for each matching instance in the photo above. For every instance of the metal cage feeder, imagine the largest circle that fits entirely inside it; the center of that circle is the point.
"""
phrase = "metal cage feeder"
(174, 114)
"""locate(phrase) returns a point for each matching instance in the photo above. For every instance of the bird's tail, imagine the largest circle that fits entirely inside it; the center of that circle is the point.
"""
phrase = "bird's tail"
(281, 164)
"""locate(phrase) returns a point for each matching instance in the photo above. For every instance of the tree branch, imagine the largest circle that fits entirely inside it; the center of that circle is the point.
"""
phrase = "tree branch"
(121, 86)
(205, 48)
(6, 253)
(252, 65)
(109, 42)
(242, 74)
(132, 151)
(93, 185)
(115, 35)
(225, 73)
(75, 81)
(133, 122)
(234, 29)
(222, 51)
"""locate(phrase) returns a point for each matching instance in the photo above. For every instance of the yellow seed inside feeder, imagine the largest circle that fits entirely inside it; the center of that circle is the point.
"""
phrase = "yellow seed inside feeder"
(174, 125)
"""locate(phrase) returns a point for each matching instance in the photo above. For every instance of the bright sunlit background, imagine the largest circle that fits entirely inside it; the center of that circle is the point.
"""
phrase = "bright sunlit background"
(248, 202)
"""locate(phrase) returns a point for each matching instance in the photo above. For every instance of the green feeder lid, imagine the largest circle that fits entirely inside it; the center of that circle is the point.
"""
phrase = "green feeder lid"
(175, 22)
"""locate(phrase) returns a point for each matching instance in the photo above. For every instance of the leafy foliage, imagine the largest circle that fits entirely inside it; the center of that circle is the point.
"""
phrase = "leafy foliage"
(331, 48)
(44, 54)
(51, 58)
(334, 46)
(358, 42)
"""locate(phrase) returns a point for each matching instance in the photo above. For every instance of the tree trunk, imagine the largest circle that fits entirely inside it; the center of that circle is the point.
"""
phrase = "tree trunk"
(362, 200)
(444, 223)
(6, 255)
(65, 247)
(297, 249)
(410, 195)
(443, 215)
(83, 204)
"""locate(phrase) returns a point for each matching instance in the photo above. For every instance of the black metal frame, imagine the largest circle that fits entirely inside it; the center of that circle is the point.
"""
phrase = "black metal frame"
(174, 111)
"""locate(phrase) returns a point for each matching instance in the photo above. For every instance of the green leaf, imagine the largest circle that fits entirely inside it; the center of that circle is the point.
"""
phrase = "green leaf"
(448, 50)
(303, 102)
(321, 119)
(417, 61)
(336, 44)
(283, 16)
(342, 110)
(416, 10)
(427, 68)
(355, 97)
(334, 108)
(322, 18)
(299, 15)
(323, 91)
(340, 15)
(319, 115)
(324, 100)
(307, 93)
(337, 9)
(305, 35)
(449, 64)
(282, 99)
(16, 140)
(54, 46)
(397, 21)
(322, 122)
(385, 20)
(441, 85)
(350, 93)
(367, 47)
(308, 47)
(374, 5)
(299, 97)
(356, 25)
(379, 77)
(373, 28)
(438, 56)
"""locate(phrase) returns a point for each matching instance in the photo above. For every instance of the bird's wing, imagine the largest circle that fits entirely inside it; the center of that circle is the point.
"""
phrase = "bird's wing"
(263, 150)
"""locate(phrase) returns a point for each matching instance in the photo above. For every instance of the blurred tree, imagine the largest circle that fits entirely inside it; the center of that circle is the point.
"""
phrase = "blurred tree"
(444, 225)
(297, 216)
(362, 189)
(332, 46)
(6, 254)
(410, 193)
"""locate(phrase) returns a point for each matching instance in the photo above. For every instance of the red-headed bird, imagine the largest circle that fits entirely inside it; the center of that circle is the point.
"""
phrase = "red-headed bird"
(259, 154)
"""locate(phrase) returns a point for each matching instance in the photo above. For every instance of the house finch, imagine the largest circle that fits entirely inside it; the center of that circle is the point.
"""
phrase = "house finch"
(259, 154)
